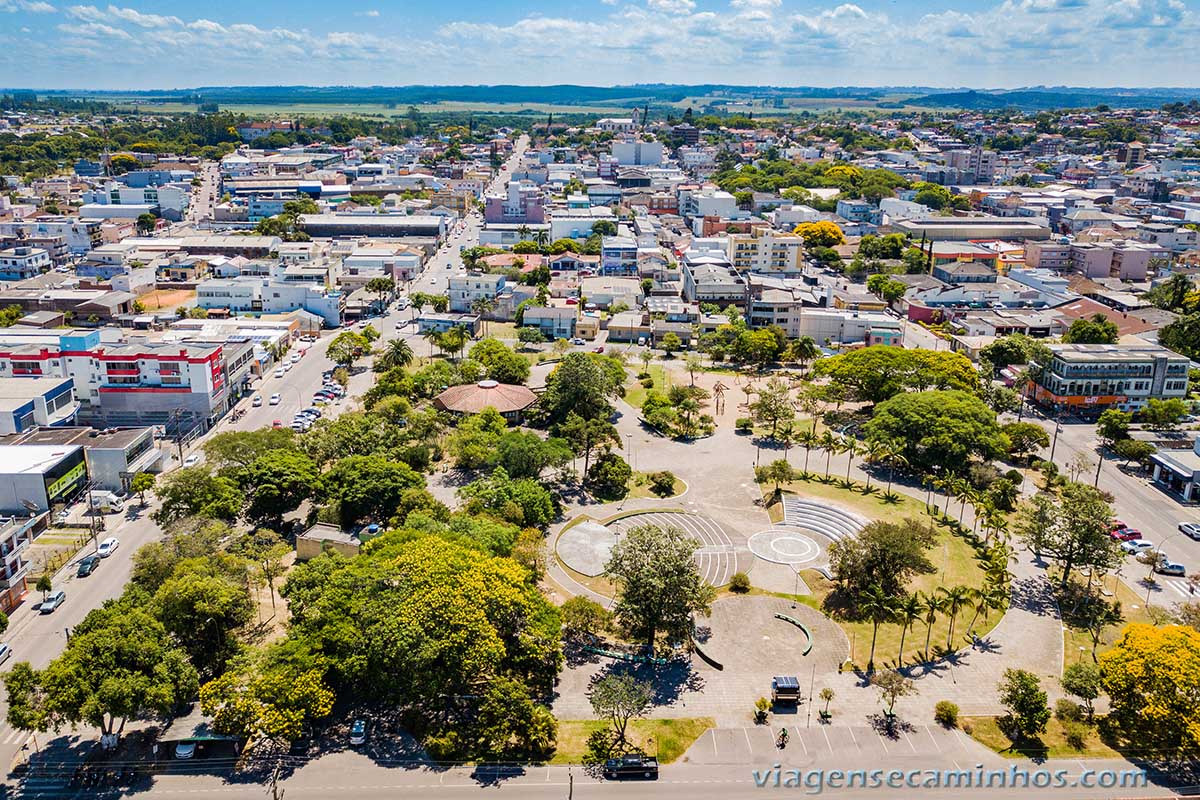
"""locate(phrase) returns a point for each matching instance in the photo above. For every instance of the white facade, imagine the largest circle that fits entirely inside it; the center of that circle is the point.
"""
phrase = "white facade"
(638, 153)
(468, 287)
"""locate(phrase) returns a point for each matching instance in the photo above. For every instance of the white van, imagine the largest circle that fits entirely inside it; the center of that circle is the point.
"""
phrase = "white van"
(106, 502)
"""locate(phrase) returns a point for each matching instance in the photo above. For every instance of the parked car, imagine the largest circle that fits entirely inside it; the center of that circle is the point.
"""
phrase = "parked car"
(1190, 529)
(52, 602)
(577, 340)
(274, 399)
(108, 547)
(1135, 546)
(1127, 534)
(191, 460)
(1117, 525)
(257, 401)
(185, 750)
(598, 349)
(358, 732)
(5, 652)
(631, 766)
(87, 565)
(1166, 567)
(277, 423)
(279, 372)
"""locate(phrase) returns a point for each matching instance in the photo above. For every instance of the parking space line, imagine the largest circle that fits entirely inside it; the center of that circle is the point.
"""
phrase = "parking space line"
(853, 739)
(800, 739)
(929, 731)
(713, 731)
(882, 742)
(749, 746)
(910, 744)
(827, 744)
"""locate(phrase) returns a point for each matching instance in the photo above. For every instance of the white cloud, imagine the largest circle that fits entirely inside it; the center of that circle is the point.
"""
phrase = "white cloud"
(29, 6)
(672, 6)
(814, 42)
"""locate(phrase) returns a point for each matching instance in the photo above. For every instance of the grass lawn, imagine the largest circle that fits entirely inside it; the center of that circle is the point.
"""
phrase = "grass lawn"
(669, 738)
(501, 330)
(639, 486)
(1051, 744)
(635, 393)
(1077, 642)
(953, 556)
(872, 505)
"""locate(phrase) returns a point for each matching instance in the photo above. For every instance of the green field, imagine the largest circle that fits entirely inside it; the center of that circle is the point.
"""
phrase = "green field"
(369, 109)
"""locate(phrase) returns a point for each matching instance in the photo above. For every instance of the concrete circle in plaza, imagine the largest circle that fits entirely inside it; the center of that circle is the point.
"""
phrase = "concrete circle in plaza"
(784, 546)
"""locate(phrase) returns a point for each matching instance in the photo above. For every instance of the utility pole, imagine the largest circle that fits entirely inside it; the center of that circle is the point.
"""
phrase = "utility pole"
(1057, 427)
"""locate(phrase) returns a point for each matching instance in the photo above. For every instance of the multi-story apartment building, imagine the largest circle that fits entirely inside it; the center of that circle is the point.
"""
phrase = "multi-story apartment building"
(19, 263)
(982, 163)
(708, 277)
(1088, 378)
(257, 295)
(80, 235)
(1051, 255)
(16, 534)
(767, 252)
(468, 288)
(521, 204)
(1129, 261)
(618, 255)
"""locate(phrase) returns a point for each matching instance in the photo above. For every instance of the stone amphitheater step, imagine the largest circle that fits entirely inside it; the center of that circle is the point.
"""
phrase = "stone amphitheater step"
(828, 511)
(828, 521)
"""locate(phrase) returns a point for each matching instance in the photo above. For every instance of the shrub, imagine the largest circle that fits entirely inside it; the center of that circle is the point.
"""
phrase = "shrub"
(740, 582)
(968, 728)
(647, 382)
(662, 483)
(641, 376)
(744, 424)
(1076, 734)
(584, 617)
(945, 713)
(447, 747)
(1068, 711)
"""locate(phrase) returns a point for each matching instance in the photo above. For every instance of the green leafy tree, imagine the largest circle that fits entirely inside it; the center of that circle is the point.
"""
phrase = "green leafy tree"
(239, 449)
(877, 373)
(1083, 680)
(884, 555)
(204, 603)
(1028, 711)
(1071, 527)
(892, 686)
(1163, 414)
(141, 483)
(368, 487)
(527, 334)
(119, 664)
(195, 491)
(501, 363)
(1113, 425)
(609, 475)
(1134, 450)
(670, 344)
(584, 618)
(396, 354)
(525, 455)
(1182, 336)
(582, 384)
(1025, 438)
(937, 428)
(1098, 329)
(619, 699)
(347, 347)
(773, 405)
(277, 482)
(659, 587)
(521, 501)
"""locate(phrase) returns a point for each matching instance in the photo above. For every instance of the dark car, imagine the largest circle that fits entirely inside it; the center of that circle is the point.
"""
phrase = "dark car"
(633, 765)
(87, 566)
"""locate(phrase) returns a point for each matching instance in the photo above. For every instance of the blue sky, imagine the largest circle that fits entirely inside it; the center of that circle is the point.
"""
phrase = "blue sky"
(982, 43)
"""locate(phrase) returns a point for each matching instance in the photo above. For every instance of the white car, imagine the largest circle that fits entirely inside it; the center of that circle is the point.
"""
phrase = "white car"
(275, 399)
(295, 358)
(1190, 529)
(191, 460)
(108, 547)
(1135, 546)
(257, 401)
(279, 372)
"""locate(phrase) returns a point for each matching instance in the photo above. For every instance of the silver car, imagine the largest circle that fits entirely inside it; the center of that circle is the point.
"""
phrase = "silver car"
(1190, 529)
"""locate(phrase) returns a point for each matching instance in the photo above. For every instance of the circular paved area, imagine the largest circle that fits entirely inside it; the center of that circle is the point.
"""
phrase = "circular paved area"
(586, 547)
(744, 634)
(785, 546)
(717, 556)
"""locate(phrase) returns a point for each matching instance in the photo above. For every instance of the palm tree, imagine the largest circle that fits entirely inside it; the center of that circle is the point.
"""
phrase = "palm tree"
(482, 306)
(893, 454)
(955, 598)
(523, 232)
(805, 350)
(851, 448)
(907, 613)
(434, 337)
(398, 353)
(787, 435)
(542, 237)
(808, 440)
(879, 608)
(932, 605)
(830, 444)
(967, 494)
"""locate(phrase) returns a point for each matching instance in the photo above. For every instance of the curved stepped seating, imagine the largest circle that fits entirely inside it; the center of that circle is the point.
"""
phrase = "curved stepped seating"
(828, 521)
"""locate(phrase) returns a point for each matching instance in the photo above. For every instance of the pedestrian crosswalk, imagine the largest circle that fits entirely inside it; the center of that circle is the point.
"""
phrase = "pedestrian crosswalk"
(1178, 586)
(11, 736)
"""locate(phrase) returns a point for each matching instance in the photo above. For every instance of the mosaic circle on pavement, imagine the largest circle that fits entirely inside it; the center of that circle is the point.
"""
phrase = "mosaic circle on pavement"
(784, 546)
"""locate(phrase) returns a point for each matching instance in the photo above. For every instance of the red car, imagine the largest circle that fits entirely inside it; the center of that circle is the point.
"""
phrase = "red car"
(277, 423)
(1117, 525)
(1127, 534)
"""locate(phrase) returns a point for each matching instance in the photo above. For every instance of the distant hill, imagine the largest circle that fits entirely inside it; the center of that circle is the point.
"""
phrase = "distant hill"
(1044, 99)
(1027, 98)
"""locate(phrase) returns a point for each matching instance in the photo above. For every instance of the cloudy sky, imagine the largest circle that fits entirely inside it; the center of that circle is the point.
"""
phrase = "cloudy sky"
(980, 43)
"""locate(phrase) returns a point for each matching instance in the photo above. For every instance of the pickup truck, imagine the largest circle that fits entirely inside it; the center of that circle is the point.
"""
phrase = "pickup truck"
(631, 766)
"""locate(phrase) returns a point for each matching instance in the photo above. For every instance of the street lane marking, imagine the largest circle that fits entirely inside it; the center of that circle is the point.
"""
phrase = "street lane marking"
(800, 739)
(750, 747)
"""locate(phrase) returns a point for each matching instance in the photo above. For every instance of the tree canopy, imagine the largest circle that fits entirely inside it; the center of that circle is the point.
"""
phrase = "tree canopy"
(943, 429)
(874, 374)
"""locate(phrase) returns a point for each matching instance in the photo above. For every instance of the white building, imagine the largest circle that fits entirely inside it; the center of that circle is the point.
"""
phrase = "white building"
(254, 295)
(616, 125)
(466, 288)
(19, 263)
(397, 263)
(638, 153)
